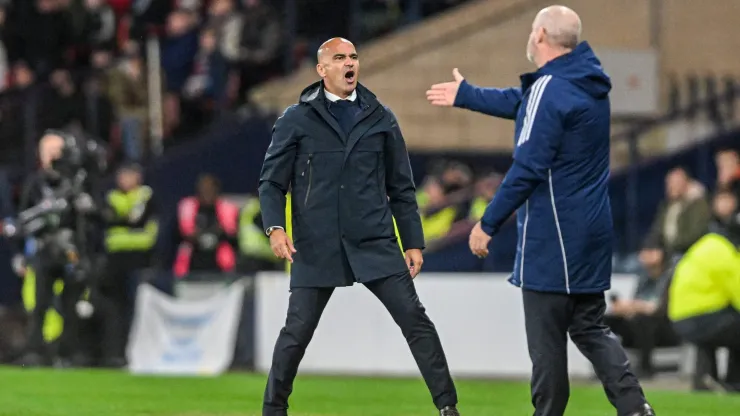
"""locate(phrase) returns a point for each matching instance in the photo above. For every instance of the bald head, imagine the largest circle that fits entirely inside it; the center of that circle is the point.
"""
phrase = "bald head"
(556, 30)
(50, 149)
(327, 49)
(562, 25)
(338, 66)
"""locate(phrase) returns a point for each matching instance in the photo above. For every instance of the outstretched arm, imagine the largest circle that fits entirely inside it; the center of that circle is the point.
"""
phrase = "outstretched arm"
(495, 102)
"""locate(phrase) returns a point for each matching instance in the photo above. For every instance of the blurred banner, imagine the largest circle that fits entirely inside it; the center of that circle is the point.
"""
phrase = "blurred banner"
(479, 317)
(185, 336)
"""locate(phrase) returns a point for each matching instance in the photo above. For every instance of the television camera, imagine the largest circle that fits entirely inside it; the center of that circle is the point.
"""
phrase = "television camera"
(40, 225)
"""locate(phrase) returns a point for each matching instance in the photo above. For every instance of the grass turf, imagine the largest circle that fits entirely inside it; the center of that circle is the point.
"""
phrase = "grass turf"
(44, 392)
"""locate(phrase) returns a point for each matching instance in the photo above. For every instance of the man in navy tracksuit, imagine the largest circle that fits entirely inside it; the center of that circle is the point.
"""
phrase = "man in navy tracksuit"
(558, 184)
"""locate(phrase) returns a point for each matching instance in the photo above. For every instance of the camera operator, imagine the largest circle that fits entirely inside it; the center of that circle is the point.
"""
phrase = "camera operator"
(131, 234)
(52, 203)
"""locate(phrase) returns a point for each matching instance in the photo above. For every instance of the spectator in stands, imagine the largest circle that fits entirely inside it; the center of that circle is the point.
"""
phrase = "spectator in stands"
(485, 189)
(728, 170)
(127, 89)
(205, 88)
(445, 220)
(18, 113)
(99, 121)
(704, 300)
(260, 44)
(683, 216)
(148, 15)
(223, 16)
(642, 322)
(43, 31)
(100, 24)
(207, 231)
(179, 48)
(65, 104)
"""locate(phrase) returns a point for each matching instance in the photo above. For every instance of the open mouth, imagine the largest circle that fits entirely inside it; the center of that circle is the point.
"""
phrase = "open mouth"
(349, 76)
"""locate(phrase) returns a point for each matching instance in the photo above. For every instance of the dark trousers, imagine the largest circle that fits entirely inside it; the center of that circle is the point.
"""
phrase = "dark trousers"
(644, 333)
(398, 295)
(710, 332)
(47, 271)
(116, 302)
(549, 318)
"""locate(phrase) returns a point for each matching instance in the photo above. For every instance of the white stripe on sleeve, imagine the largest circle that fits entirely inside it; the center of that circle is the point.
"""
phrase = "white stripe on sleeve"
(538, 89)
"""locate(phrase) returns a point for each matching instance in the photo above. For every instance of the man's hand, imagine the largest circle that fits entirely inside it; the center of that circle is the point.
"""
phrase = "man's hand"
(414, 260)
(281, 245)
(478, 241)
(444, 94)
(644, 307)
(624, 308)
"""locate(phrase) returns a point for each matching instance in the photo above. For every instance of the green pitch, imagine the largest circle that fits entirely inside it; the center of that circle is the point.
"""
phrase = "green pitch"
(101, 393)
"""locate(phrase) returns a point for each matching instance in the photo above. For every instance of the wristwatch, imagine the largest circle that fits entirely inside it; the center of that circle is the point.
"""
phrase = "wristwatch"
(269, 230)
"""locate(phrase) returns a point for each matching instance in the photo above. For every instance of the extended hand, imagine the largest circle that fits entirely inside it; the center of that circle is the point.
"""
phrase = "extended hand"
(444, 94)
(479, 241)
(414, 260)
(281, 245)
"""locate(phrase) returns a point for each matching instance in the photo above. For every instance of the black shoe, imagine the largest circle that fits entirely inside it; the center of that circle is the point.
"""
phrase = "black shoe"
(449, 411)
(114, 362)
(645, 411)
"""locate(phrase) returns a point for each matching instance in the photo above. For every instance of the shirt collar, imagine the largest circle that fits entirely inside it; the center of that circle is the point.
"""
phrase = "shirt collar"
(334, 98)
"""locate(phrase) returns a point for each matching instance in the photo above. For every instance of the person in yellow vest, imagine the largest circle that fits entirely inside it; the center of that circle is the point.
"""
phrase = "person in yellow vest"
(130, 238)
(435, 221)
(704, 296)
(254, 246)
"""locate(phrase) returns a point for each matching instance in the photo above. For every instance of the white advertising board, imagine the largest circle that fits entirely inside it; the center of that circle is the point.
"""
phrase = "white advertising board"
(479, 318)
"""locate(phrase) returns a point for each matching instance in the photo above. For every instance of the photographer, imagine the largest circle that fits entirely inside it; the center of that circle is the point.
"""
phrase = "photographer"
(52, 204)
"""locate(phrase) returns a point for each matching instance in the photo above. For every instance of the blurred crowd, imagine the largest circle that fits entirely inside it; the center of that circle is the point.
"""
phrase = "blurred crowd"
(83, 65)
(648, 320)
(452, 199)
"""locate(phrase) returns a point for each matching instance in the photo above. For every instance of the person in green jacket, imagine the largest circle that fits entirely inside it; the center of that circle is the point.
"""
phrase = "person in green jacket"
(704, 296)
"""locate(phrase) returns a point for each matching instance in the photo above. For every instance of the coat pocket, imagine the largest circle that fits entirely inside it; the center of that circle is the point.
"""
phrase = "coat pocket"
(379, 177)
(308, 174)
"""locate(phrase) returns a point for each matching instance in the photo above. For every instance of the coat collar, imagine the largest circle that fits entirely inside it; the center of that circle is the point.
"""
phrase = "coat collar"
(314, 96)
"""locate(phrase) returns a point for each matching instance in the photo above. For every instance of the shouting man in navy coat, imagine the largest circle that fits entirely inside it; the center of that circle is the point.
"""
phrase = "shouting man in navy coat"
(342, 154)
(559, 183)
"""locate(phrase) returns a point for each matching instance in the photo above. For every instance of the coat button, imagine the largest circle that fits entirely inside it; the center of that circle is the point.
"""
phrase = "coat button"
(341, 187)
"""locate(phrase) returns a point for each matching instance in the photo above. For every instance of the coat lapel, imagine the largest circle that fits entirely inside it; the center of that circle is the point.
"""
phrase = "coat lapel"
(320, 107)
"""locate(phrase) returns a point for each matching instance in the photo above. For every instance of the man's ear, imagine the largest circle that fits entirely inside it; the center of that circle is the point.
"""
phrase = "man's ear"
(541, 35)
(320, 70)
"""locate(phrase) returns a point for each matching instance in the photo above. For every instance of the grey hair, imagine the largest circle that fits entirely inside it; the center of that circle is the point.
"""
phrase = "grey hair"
(562, 25)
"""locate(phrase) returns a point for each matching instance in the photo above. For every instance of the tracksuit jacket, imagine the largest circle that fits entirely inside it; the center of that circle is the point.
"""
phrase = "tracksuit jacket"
(558, 181)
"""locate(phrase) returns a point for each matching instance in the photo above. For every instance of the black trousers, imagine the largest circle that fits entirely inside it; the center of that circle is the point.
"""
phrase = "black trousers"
(48, 269)
(710, 332)
(549, 318)
(398, 295)
(116, 302)
(644, 333)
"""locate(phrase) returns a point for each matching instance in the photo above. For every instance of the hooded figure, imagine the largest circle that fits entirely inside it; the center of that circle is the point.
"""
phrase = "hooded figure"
(559, 177)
